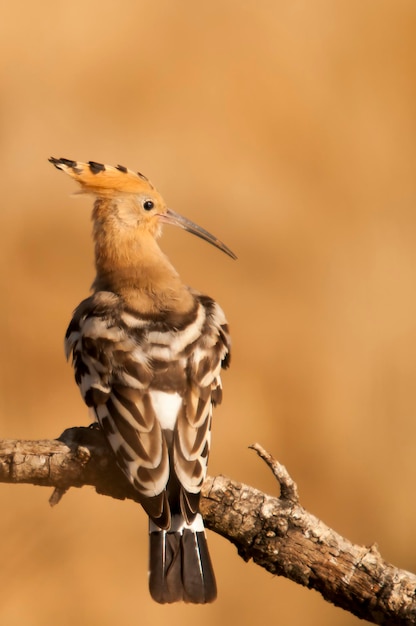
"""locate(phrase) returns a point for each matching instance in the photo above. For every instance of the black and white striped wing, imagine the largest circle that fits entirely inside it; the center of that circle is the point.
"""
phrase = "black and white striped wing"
(151, 386)
(192, 436)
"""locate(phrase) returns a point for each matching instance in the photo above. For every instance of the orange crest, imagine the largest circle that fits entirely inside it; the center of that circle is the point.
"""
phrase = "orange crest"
(103, 180)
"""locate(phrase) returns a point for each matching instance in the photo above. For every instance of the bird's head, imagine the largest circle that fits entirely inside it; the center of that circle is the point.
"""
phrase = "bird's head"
(131, 198)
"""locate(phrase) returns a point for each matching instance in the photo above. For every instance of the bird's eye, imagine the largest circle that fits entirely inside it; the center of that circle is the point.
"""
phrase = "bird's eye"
(148, 205)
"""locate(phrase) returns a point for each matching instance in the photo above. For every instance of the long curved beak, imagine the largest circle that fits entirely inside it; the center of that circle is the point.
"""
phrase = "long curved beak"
(170, 217)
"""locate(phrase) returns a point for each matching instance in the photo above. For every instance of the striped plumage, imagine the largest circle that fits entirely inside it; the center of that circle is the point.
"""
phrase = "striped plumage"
(147, 352)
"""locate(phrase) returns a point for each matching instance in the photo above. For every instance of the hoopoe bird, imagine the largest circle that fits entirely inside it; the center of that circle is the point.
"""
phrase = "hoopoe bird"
(147, 352)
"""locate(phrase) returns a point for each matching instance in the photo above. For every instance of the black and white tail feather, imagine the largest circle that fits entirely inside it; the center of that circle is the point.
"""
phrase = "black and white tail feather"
(180, 566)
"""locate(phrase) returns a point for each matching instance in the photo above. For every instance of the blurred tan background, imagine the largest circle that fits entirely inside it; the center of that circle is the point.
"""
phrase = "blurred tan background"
(288, 129)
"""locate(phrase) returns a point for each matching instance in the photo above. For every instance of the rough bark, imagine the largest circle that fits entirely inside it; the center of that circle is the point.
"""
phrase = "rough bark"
(277, 533)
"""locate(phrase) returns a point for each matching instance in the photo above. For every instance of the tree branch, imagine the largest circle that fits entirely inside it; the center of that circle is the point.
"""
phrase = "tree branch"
(277, 533)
